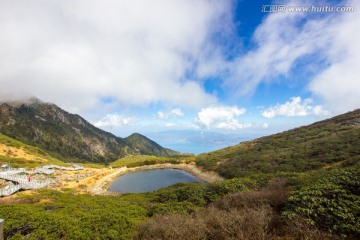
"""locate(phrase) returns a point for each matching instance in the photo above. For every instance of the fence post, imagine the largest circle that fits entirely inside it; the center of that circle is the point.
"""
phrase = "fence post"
(1, 229)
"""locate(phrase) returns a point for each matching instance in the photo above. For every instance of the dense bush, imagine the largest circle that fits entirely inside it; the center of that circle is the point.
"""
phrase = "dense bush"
(202, 194)
(332, 202)
(245, 215)
(67, 216)
(210, 224)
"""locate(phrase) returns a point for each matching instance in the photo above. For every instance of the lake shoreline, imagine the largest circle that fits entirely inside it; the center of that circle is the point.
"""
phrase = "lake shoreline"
(101, 186)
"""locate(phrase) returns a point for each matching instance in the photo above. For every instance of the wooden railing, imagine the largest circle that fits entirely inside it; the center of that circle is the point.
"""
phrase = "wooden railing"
(10, 189)
(24, 182)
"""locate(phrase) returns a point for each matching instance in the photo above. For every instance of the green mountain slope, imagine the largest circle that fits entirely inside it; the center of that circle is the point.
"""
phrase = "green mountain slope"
(146, 146)
(68, 136)
(320, 145)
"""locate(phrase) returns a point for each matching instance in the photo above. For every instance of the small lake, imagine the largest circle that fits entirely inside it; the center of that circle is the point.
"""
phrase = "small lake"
(150, 180)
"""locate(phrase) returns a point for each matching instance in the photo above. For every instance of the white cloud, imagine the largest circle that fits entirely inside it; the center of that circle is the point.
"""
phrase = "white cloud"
(176, 112)
(284, 40)
(280, 42)
(339, 84)
(170, 125)
(224, 117)
(295, 108)
(114, 121)
(75, 53)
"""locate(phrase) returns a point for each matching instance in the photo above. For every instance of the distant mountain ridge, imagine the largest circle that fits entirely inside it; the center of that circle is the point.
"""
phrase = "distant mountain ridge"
(69, 136)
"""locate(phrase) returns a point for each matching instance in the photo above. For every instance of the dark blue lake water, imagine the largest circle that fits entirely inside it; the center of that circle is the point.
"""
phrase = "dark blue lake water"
(150, 180)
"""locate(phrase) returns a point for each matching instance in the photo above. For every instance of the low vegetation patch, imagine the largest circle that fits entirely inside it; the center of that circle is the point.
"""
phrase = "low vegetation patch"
(246, 215)
(143, 160)
(65, 215)
(331, 202)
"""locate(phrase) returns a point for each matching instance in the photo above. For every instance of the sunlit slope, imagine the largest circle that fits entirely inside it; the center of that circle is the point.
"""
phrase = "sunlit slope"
(335, 141)
(22, 155)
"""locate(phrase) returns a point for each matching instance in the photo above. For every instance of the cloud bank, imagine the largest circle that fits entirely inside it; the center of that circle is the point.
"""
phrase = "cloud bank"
(79, 54)
(76, 53)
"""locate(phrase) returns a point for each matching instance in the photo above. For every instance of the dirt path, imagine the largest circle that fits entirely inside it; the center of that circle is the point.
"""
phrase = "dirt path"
(100, 187)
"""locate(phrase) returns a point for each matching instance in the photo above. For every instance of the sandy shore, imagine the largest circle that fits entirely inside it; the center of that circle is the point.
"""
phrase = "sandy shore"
(100, 186)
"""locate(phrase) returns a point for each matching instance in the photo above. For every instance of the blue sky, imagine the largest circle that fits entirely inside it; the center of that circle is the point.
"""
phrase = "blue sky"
(165, 68)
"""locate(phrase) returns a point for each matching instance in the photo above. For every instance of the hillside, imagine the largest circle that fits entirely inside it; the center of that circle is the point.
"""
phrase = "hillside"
(146, 146)
(69, 136)
(23, 155)
(319, 145)
(282, 203)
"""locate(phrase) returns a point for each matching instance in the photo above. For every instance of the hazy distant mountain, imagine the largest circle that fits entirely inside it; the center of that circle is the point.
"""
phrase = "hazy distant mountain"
(197, 141)
(69, 136)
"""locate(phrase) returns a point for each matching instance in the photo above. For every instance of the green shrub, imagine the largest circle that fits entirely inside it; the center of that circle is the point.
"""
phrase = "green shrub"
(67, 216)
(332, 202)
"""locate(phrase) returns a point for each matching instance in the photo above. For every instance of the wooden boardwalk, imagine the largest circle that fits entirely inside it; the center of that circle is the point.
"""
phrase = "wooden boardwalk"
(23, 181)
(10, 189)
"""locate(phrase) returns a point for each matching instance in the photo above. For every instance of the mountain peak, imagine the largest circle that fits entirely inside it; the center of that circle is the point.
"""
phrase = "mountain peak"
(146, 146)
(15, 102)
(33, 100)
(68, 136)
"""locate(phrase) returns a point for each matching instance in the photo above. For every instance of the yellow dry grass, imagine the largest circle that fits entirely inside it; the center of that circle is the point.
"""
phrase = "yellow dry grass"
(82, 185)
(12, 152)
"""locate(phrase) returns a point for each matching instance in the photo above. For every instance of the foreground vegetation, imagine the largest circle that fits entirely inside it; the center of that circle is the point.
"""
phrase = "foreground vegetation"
(64, 215)
(332, 202)
(313, 205)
